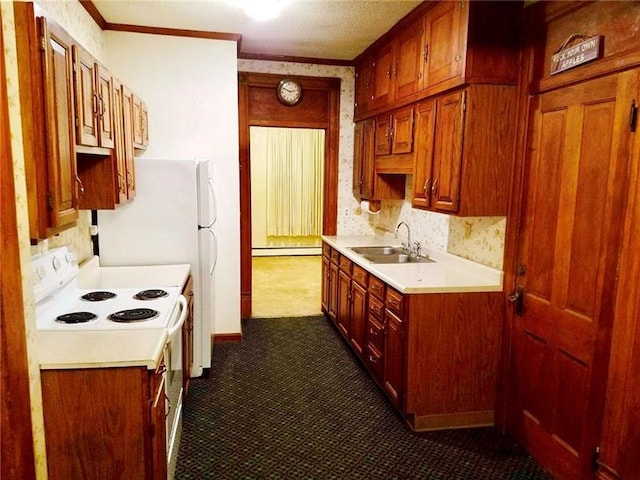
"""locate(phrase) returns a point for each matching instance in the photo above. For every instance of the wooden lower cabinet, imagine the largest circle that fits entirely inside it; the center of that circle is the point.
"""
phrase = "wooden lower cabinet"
(435, 355)
(105, 423)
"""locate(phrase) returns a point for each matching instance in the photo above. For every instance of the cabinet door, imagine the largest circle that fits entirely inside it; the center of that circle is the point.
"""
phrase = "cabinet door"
(326, 281)
(363, 86)
(444, 42)
(333, 291)
(382, 76)
(383, 134)
(86, 98)
(62, 194)
(129, 153)
(344, 303)
(394, 352)
(402, 131)
(422, 167)
(105, 107)
(447, 155)
(140, 123)
(408, 68)
(358, 317)
(119, 142)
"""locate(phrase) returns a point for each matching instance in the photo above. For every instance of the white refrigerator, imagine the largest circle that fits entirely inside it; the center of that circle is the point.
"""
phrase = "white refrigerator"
(171, 220)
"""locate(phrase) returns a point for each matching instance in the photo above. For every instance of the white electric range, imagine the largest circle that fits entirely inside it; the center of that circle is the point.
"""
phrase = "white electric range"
(62, 307)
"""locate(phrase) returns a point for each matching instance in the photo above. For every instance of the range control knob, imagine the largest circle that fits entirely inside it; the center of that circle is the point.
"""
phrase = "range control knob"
(41, 272)
(56, 263)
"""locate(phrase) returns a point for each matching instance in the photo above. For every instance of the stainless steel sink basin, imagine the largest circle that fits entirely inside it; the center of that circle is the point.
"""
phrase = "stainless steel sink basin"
(378, 250)
(396, 258)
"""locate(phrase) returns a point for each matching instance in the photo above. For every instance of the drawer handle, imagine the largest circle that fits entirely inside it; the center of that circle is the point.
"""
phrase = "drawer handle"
(372, 359)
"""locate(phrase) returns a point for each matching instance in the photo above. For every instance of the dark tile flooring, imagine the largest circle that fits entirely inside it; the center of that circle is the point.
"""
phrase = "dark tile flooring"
(292, 402)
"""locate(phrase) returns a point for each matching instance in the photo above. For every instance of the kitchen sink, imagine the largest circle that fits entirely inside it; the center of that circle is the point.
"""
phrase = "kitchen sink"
(378, 250)
(395, 258)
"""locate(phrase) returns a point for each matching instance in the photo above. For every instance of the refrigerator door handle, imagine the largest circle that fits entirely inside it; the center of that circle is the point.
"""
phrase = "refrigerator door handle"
(213, 214)
(214, 239)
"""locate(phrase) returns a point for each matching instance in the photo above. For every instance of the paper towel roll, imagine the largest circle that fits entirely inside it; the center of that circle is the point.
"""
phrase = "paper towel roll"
(368, 208)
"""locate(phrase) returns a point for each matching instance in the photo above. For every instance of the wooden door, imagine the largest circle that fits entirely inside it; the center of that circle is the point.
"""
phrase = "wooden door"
(447, 152)
(408, 60)
(86, 98)
(402, 131)
(422, 168)
(382, 76)
(59, 110)
(333, 291)
(568, 249)
(443, 48)
(129, 153)
(119, 142)
(105, 91)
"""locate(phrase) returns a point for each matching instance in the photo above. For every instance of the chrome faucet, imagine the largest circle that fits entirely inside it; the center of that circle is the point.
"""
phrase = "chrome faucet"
(395, 235)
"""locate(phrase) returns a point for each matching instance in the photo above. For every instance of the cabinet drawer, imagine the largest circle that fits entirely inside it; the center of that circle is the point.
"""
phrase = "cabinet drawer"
(345, 264)
(326, 250)
(335, 256)
(376, 307)
(393, 301)
(360, 275)
(376, 287)
(375, 333)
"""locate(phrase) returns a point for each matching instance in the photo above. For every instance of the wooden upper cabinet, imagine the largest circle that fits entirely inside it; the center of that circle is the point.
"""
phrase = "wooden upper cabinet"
(424, 136)
(363, 159)
(86, 98)
(445, 36)
(105, 94)
(402, 131)
(384, 124)
(452, 44)
(382, 75)
(407, 70)
(364, 83)
(140, 123)
(463, 169)
(63, 186)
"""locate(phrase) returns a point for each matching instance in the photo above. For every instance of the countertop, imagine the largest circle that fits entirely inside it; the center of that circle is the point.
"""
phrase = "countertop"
(448, 273)
(112, 348)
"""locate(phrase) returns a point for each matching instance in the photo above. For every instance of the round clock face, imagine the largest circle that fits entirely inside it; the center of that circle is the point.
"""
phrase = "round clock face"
(289, 91)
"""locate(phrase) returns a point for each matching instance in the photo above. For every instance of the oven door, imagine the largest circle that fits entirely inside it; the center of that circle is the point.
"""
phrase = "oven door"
(173, 382)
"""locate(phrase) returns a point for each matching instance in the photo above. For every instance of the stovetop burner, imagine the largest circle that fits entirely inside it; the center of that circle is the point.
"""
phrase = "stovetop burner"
(134, 315)
(150, 294)
(98, 296)
(76, 317)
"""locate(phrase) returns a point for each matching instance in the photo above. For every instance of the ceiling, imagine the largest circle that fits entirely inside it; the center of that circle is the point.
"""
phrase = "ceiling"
(321, 29)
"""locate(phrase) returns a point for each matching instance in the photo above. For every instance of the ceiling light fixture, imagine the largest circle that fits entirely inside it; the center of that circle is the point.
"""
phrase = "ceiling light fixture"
(261, 10)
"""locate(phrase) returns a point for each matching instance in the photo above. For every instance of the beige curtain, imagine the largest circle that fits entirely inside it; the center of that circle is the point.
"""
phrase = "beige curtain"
(294, 177)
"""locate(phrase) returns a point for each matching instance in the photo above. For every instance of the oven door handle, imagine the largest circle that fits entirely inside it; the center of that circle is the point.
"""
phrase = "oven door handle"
(173, 329)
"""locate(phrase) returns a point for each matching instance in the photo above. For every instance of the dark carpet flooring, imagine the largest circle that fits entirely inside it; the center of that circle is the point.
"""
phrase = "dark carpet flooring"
(292, 402)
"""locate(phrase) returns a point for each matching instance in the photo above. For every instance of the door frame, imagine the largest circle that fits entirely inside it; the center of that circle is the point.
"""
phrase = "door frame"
(258, 106)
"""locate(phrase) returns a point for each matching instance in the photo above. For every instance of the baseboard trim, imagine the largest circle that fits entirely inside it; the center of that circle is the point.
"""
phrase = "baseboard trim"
(451, 420)
(227, 338)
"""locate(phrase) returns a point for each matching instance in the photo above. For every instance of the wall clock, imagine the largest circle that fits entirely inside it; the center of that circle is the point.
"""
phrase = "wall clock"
(289, 91)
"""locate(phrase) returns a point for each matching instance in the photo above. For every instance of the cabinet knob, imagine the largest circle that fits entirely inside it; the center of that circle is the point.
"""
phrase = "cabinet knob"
(434, 188)
(425, 187)
(80, 184)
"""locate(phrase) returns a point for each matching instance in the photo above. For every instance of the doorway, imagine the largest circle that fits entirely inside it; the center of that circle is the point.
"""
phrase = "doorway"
(286, 220)
(259, 106)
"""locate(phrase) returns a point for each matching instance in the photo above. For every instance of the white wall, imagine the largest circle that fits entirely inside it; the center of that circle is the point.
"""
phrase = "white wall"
(190, 87)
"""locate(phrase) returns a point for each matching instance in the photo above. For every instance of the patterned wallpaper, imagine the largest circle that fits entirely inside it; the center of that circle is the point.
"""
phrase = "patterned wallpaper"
(479, 239)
